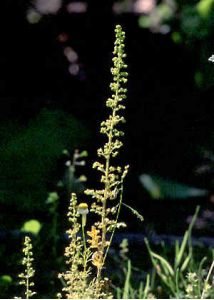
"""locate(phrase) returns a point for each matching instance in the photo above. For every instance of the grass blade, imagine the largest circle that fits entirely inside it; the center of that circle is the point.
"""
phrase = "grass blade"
(127, 282)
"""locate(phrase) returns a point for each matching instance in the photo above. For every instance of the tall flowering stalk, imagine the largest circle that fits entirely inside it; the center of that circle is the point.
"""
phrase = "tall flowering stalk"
(112, 176)
(28, 274)
(87, 247)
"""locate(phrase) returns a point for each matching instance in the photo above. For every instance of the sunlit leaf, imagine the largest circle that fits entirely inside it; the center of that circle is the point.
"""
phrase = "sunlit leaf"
(32, 226)
(6, 279)
(160, 188)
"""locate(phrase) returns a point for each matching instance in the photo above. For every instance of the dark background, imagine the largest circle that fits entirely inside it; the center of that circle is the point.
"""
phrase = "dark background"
(48, 103)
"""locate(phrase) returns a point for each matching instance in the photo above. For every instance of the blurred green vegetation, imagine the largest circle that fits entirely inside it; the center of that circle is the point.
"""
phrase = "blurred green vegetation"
(29, 154)
(190, 24)
(33, 160)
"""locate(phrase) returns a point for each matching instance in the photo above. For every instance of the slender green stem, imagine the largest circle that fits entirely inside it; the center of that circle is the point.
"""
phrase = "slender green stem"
(207, 280)
(106, 191)
(117, 217)
(84, 243)
(27, 288)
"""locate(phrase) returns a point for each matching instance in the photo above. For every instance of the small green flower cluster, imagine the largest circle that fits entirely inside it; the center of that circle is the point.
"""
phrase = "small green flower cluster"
(26, 277)
(192, 285)
(76, 257)
(79, 283)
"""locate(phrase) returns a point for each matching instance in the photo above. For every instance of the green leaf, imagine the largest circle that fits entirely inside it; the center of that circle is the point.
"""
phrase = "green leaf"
(182, 249)
(144, 21)
(166, 266)
(119, 293)
(146, 289)
(127, 281)
(32, 226)
(6, 279)
(186, 262)
(154, 256)
(204, 7)
(52, 198)
(176, 248)
(176, 37)
(160, 188)
(164, 11)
